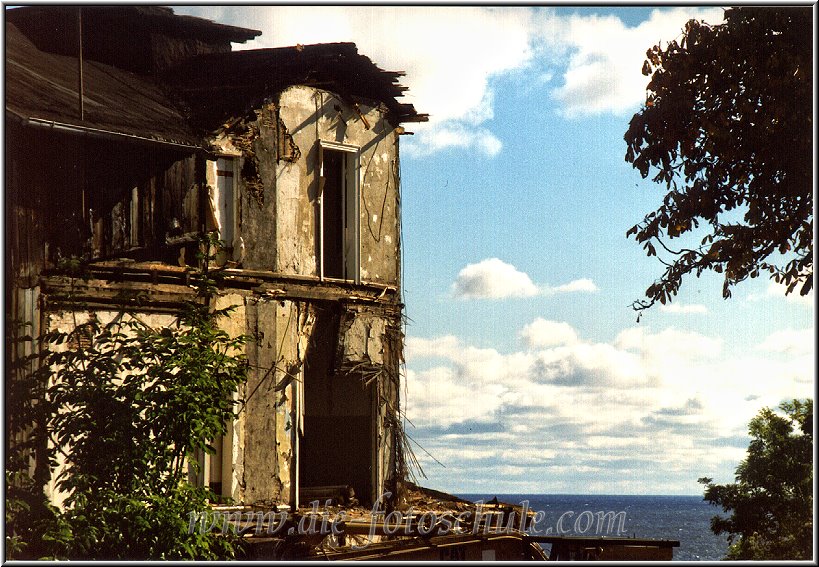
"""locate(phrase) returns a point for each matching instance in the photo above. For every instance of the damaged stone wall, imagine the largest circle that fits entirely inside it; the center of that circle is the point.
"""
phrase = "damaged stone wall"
(323, 390)
(323, 385)
(264, 480)
(232, 447)
(279, 181)
(370, 349)
(254, 140)
(326, 365)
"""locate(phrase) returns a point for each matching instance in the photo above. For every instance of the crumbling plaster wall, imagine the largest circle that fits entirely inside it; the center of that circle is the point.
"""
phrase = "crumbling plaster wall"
(273, 398)
(280, 219)
(277, 215)
(263, 479)
(255, 181)
(260, 454)
(233, 442)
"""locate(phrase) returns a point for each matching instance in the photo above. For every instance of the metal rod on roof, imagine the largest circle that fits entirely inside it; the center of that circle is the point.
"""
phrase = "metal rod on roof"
(79, 62)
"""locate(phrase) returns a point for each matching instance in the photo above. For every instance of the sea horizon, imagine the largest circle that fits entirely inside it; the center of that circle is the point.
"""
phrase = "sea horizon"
(499, 494)
(682, 517)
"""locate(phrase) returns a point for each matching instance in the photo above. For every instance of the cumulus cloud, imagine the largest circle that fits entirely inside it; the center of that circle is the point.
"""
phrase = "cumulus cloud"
(493, 278)
(777, 290)
(543, 333)
(583, 284)
(669, 344)
(604, 71)
(452, 54)
(446, 53)
(455, 135)
(638, 409)
(789, 341)
(445, 399)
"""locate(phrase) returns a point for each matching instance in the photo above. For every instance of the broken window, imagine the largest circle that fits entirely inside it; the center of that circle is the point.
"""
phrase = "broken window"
(338, 212)
(214, 470)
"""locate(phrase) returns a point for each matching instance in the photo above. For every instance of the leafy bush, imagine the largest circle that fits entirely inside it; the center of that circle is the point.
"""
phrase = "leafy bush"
(129, 407)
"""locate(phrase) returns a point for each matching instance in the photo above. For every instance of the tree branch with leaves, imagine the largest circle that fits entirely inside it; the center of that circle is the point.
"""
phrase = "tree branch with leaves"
(727, 129)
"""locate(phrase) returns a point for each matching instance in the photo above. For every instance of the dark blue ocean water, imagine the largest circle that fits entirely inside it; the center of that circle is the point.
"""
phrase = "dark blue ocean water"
(683, 518)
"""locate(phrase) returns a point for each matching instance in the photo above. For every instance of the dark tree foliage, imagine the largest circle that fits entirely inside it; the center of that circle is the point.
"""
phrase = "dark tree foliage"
(771, 502)
(727, 128)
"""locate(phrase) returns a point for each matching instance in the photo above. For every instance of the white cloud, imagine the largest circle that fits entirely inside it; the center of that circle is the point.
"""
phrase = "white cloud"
(492, 279)
(669, 342)
(450, 55)
(677, 307)
(778, 290)
(604, 72)
(456, 135)
(543, 333)
(442, 391)
(641, 407)
(790, 342)
(583, 284)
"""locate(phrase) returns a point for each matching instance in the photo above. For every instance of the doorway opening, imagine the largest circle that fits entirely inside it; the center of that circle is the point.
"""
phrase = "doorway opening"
(336, 447)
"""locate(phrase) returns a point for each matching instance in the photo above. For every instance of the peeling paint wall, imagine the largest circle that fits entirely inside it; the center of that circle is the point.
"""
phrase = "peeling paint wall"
(264, 409)
(323, 385)
(255, 140)
(325, 340)
(233, 442)
(281, 152)
(278, 183)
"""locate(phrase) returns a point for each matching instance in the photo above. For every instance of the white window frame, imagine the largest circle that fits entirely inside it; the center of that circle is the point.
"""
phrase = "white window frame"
(228, 172)
(352, 213)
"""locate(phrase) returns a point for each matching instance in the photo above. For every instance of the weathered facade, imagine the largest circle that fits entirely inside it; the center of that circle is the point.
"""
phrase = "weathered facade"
(291, 155)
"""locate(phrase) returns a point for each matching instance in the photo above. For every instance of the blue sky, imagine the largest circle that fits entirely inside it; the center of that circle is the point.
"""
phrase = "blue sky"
(526, 368)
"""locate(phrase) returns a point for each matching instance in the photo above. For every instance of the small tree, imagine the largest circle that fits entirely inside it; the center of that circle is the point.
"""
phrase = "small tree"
(772, 499)
(727, 128)
(129, 407)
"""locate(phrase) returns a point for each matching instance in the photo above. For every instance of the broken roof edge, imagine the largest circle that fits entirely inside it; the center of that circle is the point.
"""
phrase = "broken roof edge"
(399, 112)
(245, 34)
(261, 73)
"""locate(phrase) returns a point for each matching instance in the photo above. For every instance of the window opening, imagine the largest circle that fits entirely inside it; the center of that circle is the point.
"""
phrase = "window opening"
(339, 212)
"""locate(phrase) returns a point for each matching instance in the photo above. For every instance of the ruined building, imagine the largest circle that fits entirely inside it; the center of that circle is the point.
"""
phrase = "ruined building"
(130, 131)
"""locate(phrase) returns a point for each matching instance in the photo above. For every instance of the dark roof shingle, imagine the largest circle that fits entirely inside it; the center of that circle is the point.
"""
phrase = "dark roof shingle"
(43, 87)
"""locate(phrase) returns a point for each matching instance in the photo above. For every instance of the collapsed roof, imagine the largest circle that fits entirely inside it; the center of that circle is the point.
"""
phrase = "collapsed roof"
(142, 39)
(219, 86)
(173, 79)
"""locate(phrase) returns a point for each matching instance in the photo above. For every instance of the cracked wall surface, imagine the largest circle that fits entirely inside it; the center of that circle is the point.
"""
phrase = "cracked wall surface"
(288, 215)
(324, 355)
